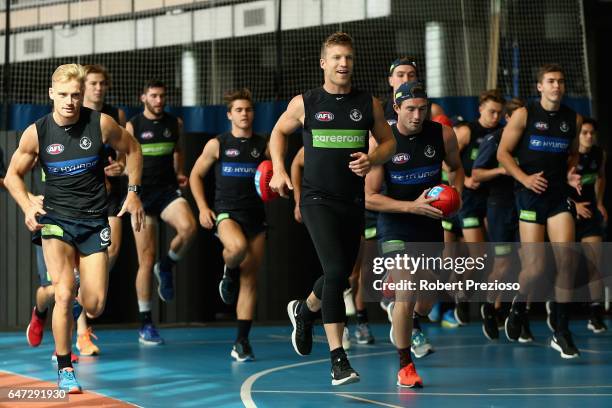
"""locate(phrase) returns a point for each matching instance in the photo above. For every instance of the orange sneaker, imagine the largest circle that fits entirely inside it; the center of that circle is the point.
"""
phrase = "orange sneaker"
(85, 345)
(408, 377)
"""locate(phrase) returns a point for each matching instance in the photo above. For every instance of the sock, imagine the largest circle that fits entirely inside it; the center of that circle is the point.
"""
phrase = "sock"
(41, 315)
(562, 315)
(144, 308)
(519, 303)
(416, 324)
(233, 273)
(404, 356)
(306, 313)
(362, 316)
(244, 327)
(596, 310)
(335, 354)
(63, 361)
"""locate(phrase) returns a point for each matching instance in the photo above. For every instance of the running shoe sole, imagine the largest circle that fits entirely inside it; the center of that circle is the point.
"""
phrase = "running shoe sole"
(353, 378)
(236, 357)
(290, 307)
(158, 279)
(555, 346)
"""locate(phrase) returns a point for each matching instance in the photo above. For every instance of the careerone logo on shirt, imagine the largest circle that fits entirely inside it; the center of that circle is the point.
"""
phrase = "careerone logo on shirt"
(419, 175)
(548, 144)
(231, 169)
(339, 138)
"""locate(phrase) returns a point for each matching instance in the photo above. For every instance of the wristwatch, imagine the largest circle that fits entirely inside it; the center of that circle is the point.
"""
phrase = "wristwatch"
(135, 188)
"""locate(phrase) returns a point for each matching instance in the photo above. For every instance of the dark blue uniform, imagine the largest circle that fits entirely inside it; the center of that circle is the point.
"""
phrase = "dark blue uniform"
(589, 167)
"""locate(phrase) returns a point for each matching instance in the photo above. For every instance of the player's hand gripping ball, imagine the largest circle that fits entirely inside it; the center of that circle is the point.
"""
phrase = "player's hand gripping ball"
(263, 175)
(448, 200)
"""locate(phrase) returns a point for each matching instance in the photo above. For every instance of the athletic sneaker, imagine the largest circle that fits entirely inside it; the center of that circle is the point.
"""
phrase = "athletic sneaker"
(514, 323)
(363, 334)
(35, 330)
(242, 351)
(420, 345)
(66, 381)
(596, 325)
(149, 336)
(301, 336)
(564, 344)
(342, 372)
(526, 336)
(462, 313)
(551, 315)
(434, 315)
(390, 317)
(346, 339)
(165, 286)
(489, 321)
(228, 287)
(384, 303)
(84, 344)
(349, 303)
(74, 359)
(408, 377)
(448, 320)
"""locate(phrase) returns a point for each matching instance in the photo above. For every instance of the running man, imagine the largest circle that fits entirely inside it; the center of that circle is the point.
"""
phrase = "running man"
(541, 135)
(158, 133)
(405, 215)
(69, 144)
(238, 213)
(336, 119)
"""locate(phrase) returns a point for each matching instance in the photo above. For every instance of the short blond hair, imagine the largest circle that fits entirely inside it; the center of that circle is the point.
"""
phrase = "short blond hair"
(68, 72)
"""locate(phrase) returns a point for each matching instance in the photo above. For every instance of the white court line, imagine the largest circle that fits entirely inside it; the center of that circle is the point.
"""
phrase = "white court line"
(87, 391)
(439, 394)
(369, 401)
(567, 387)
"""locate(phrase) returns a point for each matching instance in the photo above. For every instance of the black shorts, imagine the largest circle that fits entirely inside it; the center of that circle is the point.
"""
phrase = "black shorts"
(371, 221)
(537, 208)
(88, 236)
(155, 199)
(252, 221)
(591, 227)
(453, 225)
(503, 227)
(473, 208)
(408, 228)
(116, 197)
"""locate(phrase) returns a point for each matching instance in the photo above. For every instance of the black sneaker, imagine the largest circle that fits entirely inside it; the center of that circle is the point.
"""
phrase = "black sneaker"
(596, 325)
(489, 321)
(301, 336)
(342, 372)
(564, 344)
(526, 336)
(242, 351)
(514, 323)
(551, 316)
(228, 287)
(462, 313)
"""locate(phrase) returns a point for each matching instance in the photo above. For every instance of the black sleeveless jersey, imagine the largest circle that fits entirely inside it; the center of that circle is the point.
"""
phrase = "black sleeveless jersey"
(71, 158)
(589, 165)
(470, 152)
(335, 126)
(500, 188)
(158, 139)
(417, 163)
(545, 143)
(235, 171)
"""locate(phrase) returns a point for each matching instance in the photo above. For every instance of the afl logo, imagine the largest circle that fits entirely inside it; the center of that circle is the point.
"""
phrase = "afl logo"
(430, 151)
(55, 148)
(541, 125)
(85, 143)
(564, 127)
(105, 235)
(355, 115)
(324, 116)
(400, 158)
(146, 135)
(232, 152)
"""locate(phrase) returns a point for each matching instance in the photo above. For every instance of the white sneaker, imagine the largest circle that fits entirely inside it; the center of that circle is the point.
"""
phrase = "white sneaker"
(349, 303)
(346, 339)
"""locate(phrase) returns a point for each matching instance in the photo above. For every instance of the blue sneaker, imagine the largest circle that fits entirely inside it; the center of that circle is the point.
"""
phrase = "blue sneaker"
(66, 381)
(420, 346)
(165, 286)
(448, 320)
(434, 315)
(149, 336)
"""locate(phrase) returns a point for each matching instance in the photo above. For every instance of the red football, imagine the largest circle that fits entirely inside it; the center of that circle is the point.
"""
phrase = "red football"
(263, 175)
(448, 200)
(443, 120)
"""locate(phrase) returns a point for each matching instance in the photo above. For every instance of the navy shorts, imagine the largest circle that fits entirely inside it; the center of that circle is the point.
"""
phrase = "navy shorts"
(408, 228)
(453, 225)
(88, 236)
(537, 208)
(473, 208)
(371, 221)
(591, 227)
(252, 221)
(503, 227)
(155, 199)
(116, 197)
